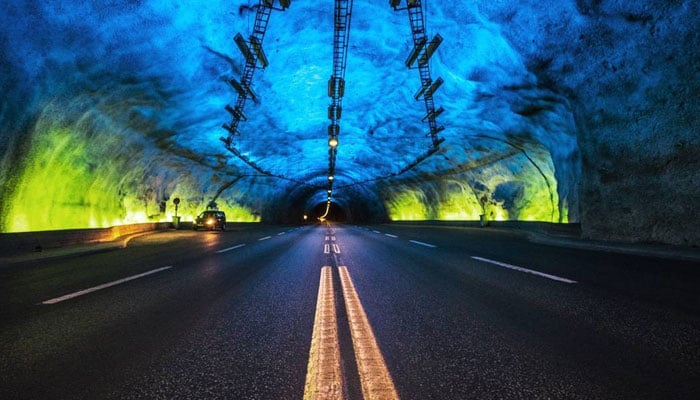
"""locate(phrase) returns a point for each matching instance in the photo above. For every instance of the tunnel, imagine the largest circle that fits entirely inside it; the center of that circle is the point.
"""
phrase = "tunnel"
(575, 112)
(350, 199)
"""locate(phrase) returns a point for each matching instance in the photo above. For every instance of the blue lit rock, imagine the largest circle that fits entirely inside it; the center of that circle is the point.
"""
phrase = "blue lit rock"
(581, 111)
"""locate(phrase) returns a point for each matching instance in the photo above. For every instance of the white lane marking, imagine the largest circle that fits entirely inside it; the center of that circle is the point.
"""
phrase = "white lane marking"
(390, 235)
(376, 231)
(281, 233)
(103, 286)
(336, 248)
(432, 246)
(333, 238)
(326, 249)
(528, 271)
(238, 246)
(264, 238)
(326, 239)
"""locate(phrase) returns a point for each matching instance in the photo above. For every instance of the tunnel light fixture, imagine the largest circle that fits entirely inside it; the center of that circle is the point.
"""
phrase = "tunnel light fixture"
(333, 130)
(432, 47)
(422, 90)
(334, 112)
(257, 48)
(428, 89)
(413, 55)
(236, 113)
(334, 82)
(333, 142)
(244, 91)
(433, 114)
(330, 177)
(243, 46)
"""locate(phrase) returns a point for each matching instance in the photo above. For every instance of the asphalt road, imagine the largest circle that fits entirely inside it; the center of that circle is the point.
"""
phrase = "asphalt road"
(455, 313)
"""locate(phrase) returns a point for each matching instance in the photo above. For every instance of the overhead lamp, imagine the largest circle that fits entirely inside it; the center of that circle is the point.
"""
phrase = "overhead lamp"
(433, 114)
(243, 46)
(432, 46)
(334, 112)
(413, 55)
(332, 83)
(333, 129)
(229, 128)
(333, 142)
(330, 177)
(434, 87)
(422, 90)
(257, 48)
(244, 91)
(236, 113)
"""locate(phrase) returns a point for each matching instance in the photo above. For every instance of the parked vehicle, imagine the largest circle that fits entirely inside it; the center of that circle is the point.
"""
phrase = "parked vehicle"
(211, 219)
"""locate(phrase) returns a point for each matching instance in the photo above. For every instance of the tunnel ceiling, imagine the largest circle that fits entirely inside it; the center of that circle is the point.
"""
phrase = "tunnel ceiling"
(120, 106)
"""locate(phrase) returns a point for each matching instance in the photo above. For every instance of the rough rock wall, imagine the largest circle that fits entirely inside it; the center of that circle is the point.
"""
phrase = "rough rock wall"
(632, 73)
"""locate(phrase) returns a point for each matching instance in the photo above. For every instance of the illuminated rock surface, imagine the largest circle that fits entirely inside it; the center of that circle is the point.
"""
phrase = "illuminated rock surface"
(580, 111)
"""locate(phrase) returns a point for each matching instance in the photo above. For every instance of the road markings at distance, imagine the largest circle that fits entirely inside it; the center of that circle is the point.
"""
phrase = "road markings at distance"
(374, 375)
(336, 248)
(281, 233)
(376, 231)
(432, 246)
(103, 286)
(326, 248)
(390, 235)
(333, 238)
(238, 246)
(264, 238)
(521, 269)
(323, 376)
(326, 239)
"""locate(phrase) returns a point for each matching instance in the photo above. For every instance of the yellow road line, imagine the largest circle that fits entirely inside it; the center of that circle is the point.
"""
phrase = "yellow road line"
(374, 375)
(323, 376)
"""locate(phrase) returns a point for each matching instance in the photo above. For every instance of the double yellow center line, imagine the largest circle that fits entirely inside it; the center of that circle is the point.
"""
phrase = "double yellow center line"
(324, 378)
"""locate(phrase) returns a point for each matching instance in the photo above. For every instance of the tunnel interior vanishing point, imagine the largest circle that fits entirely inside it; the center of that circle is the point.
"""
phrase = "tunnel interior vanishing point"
(573, 111)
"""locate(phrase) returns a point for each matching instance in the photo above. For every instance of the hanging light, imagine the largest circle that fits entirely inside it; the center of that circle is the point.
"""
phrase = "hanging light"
(333, 142)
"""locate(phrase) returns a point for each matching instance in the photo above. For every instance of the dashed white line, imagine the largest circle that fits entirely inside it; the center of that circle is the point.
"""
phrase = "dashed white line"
(390, 235)
(326, 238)
(264, 238)
(432, 246)
(326, 248)
(376, 231)
(103, 286)
(528, 271)
(336, 248)
(238, 246)
(333, 238)
(281, 233)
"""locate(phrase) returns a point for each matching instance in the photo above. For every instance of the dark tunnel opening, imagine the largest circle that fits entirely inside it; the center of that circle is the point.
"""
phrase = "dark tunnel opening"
(336, 213)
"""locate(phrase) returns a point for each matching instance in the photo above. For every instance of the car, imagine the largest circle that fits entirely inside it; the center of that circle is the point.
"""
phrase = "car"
(211, 219)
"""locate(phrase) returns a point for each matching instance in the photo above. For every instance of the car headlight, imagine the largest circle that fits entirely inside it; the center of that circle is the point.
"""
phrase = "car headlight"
(210, 222)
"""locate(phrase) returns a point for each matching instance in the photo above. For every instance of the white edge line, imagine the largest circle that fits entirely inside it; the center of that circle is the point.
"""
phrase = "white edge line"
(376, 231)
(390, 235)
(432, 246)
(238, 246)
(281, 233)
(264, 238)
(521, 269)
(103, 286)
